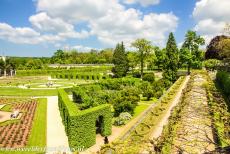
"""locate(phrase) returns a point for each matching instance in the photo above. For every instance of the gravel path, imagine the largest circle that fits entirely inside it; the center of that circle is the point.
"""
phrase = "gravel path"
(159, 128)
(56, 136)
(194, 133)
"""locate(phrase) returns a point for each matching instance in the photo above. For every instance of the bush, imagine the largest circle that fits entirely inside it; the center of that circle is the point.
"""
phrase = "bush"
(137, 74)
(223, 78)
(126, 100)
(147, 90)
(123, 118)
(211, 64)
(150, 77)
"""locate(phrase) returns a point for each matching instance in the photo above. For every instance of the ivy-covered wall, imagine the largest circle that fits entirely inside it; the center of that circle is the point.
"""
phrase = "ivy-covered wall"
(80, 126)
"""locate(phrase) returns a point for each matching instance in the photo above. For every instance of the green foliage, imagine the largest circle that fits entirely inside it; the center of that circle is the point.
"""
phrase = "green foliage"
(120, 61)
(160, 57)
(211, 64)
(144, 48)
(150, 77)
(126, 100)
(190, 53)
(219, 109)
(80, 126)
(171, 60)
(147, 90)
(123, 118)
(223, 78)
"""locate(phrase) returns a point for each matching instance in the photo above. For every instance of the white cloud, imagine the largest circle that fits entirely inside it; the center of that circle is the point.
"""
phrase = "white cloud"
(83, 48)
(25, 35)
(211, 17)
(43, 22)
(108, 20)
(142, 2)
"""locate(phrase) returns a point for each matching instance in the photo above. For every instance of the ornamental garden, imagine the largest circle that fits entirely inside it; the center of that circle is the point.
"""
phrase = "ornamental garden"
(151, 100)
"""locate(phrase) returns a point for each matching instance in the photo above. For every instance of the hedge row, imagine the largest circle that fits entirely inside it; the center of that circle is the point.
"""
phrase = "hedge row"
(220, 114)
(223, 78)
(81, 76)
(80, 125)
(56, 71)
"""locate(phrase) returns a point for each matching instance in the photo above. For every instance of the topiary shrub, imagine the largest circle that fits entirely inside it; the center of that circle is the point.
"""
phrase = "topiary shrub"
(150, 77)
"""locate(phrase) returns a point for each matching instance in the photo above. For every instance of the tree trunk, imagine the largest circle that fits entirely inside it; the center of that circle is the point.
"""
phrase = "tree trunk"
(142, 67)
(189, 65)
(4, 72)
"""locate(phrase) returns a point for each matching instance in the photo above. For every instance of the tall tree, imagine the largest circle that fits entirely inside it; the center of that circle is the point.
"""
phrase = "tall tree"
(190, 53)
(170, 66)
(120, 61)
(144, 48)
(160, 56)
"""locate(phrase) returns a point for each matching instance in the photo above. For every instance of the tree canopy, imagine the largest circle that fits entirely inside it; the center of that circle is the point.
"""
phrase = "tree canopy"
(144, 48)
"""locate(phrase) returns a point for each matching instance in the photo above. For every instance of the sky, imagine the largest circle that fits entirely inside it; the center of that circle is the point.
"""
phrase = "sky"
(40, 27)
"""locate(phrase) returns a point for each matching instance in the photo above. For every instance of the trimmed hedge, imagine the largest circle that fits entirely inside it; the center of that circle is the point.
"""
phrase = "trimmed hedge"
(80, 76)
(80, 126)
(223, 78)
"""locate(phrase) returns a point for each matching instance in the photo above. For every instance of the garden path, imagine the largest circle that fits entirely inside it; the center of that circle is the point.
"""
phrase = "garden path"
(56, 136)
(159, 127)
(194, 132)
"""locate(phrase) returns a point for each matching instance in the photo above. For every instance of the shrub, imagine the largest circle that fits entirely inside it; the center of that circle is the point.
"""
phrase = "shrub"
(150, 77)
(211, 64)
(126, 101)
(123, 118)
(147, 90)
(137, 74)
(223, 78)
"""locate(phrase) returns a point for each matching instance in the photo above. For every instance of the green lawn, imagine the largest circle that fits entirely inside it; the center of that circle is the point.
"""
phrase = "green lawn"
(7, 108)
(139, 109)
(37, 137)
(38, 133)
(27, 92)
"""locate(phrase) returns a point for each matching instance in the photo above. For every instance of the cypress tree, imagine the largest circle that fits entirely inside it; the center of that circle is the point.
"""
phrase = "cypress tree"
(170, 66)
(120, 61)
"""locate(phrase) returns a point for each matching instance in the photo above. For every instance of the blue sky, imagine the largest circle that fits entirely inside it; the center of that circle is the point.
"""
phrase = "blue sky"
(40, 27)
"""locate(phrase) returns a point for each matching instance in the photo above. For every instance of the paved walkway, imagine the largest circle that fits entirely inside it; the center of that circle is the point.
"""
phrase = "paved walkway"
(159, 128)
(56, 136)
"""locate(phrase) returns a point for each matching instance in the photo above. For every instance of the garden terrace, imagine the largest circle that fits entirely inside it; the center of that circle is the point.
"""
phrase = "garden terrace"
(139, 134)
(190, 127)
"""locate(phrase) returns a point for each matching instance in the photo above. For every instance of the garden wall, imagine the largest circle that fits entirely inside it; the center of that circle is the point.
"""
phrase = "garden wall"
(80, 126)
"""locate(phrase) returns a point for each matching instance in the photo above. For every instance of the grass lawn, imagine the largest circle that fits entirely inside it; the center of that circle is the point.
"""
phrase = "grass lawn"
(27, 92)
(37, 137)
(139, 109)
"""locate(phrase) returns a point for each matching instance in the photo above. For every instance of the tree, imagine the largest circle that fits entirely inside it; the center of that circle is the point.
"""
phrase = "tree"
(160, 56)
(170, 66)
(144, 48)
(190, 53)
(58, 57)
(132, 60)
(120, 61)
(224, 47)
(213, 49)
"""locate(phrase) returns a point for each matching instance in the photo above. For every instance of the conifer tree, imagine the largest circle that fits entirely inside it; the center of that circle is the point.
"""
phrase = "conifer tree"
(120, 61)
(170, 66)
